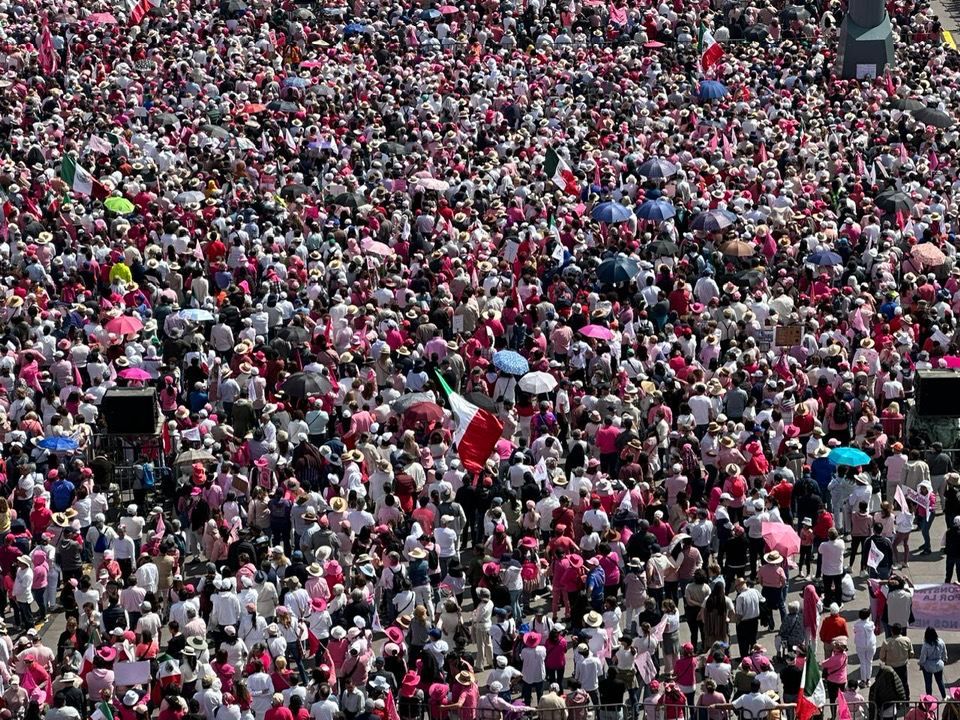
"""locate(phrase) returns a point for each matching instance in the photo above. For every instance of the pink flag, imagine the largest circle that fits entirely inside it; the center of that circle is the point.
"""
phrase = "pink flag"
(657, 632)
(714, 142)
(47, 56)
(903, 153)
(933, 159)
(861, 167)
(763, 152)
(901, 219)
(891, 90)
(858, 324)
(727, 149)
(596, 174)
(161, 529)
(843, 709)
(901, 498)
(618, 16)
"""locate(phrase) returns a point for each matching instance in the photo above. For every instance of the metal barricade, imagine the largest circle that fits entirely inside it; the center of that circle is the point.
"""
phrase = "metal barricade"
(859, 710)
(898, 710)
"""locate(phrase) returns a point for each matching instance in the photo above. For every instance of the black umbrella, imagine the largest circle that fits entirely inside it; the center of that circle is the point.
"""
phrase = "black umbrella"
(794, 12)
(756, 33)
(300, 385)
(405, 401)
(349, 200)
(481, 400)
(294, 333)
(749, 277)
(215, 131)
(291, 192)
(907, 104)
(393, 148)
(932, 116)
(893, 201)
(664, 247)
(166, 118)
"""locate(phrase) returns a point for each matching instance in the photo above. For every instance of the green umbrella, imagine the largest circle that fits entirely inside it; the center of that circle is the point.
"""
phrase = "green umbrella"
(119, 205)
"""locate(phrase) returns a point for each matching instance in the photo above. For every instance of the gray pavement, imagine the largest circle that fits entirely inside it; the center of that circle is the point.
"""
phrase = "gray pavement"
(921, 570)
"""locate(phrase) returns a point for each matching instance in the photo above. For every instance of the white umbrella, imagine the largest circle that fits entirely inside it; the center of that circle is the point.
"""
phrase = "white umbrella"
(431, 183)
(538, 382)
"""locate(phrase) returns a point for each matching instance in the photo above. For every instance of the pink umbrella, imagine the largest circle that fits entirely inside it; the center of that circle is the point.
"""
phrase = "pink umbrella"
(124, 325)
(448, 10)
(598, 332)
(135, 374)
(101, 19)
(781, 537)
(432, 183)
(378, 248)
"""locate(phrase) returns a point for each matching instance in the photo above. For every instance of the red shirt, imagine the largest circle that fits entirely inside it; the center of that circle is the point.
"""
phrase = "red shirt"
(782, 492)
(607, 439)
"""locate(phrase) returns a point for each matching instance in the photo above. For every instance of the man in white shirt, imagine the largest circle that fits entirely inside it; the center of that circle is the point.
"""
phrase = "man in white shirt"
(226, 606)
(587, 669)
(747, 608)
(326, 705)
(831, 555)
(532, 666)
(447, 541)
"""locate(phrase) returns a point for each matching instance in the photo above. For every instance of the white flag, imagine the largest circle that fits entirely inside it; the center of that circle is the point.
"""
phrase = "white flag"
(540, 471)
(874, 557)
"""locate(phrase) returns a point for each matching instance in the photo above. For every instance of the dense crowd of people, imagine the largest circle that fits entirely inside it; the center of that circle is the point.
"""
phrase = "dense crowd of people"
(683, 272)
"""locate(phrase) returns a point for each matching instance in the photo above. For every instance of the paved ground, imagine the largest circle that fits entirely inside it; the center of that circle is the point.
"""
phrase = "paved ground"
(922, 570)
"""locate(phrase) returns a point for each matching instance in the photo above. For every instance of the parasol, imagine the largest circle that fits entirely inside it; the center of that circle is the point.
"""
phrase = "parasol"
(537, 383)
(738, 249)
(58, 443)
(482, 400)
(656, 210)
(135, 374)
(657, 169)
(422, 412)
(618, 269)
(510, 362)
(598, 332)
(825, 258)
(301, 384)
(294, 333)
(932, 116)
(119, 205)
(124, 325)
(852, 457)
(610, 212)
(893, 201)
(189, 457)
(713, 220)
(294, 190)
(929, 254)
(196, 315)
(711, 90)
(780, 537)
(402, 403)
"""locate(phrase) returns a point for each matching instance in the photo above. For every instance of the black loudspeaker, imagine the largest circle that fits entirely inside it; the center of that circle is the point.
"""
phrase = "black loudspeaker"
(130, 411)
(938, 393)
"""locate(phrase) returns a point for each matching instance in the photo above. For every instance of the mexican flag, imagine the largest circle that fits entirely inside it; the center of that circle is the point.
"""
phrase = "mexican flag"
(560, 173)
(80, 181)
(477, 429)
(812, 695)
(710, 50)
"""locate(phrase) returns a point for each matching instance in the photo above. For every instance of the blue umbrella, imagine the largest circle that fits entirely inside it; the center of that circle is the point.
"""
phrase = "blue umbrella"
(619, 269)
(610, 212)
(430, 14)
(58, 444)
(196, 315)
(713, 220)
(825, 258)
(354, 29)
(711, 90)
(511, 362)
(849, 456)
(656, 210)
(297, 82)
(657, 169)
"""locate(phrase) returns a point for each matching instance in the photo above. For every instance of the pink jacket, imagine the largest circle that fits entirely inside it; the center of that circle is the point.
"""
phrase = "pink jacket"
(40, 568)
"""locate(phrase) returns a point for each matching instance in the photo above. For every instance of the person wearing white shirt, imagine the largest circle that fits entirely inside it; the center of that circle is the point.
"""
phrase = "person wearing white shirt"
(831, 554)
(326, 707)
(532, 667)
(447, 541)
(586, 670)
(226, 606)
